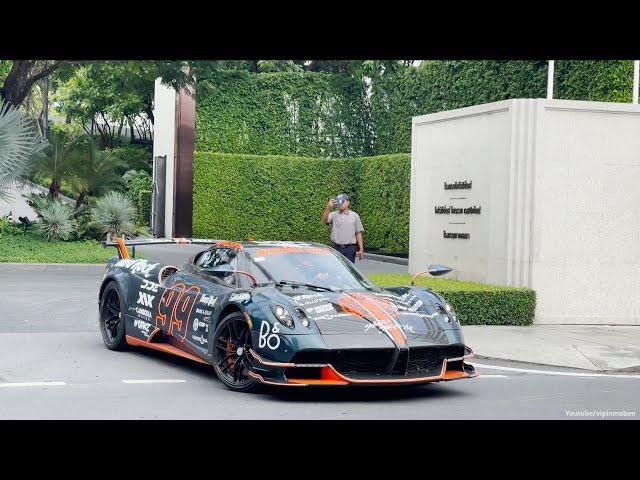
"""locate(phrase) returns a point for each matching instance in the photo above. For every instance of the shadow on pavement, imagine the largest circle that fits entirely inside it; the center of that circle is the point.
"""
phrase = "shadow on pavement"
(313, 394)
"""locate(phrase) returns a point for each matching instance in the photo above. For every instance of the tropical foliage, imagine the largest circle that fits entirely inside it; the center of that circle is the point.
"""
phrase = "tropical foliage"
(114, 215)
(56, 222)
(18, 144)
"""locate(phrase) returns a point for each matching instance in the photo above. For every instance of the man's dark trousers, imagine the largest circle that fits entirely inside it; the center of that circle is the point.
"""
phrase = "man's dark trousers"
(348, 251)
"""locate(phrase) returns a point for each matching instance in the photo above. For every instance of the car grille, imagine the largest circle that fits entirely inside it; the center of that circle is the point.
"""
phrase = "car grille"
(429, 360)
(349, 362)
(423, 361)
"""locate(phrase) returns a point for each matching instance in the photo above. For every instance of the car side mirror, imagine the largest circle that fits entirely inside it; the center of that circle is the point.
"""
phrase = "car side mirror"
(435, 270)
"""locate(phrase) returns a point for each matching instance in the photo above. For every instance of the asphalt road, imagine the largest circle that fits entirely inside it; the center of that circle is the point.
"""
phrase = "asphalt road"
(49, 333)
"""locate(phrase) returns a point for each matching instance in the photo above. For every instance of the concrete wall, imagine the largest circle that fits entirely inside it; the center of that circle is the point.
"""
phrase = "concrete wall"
(164, 143)
(558, 186)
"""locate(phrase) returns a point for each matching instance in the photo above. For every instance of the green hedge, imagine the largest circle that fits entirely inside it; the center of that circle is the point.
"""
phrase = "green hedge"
(383, 199)
(444, 85)
(475, 303)
(266, 197)
(306, 114)
(275, 197)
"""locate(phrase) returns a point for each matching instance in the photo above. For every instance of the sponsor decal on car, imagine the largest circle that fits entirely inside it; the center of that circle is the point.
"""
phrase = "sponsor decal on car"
(197, 323)
(142, 312)
(200, 339)
(325, 307)
(137, 266)
(416, 306)
(143, 326)
(202, 311)
(384, 327)
(242, 297)
(151, 286)
(309, 299)
(269, 336)
(208, 300)
(145, 299)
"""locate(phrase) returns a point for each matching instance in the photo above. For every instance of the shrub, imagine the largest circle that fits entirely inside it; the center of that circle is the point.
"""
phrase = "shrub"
(139, 185)
(56, 222)
(273, 197)
(383, 199)
(266, 197)
(475, 303)
(133, 157)
(284, 113)
(113, 215)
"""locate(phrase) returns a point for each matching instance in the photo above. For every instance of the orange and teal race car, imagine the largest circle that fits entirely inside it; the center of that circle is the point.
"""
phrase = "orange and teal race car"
(281, 313)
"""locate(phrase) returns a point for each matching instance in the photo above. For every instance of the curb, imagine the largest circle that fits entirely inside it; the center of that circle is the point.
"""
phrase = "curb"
(61, 267)
(386, 258)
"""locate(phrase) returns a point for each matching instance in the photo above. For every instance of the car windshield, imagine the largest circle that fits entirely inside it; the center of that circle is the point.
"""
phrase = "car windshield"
(313, 265)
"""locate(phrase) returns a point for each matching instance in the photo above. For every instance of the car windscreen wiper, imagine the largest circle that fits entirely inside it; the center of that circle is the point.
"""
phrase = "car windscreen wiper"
(292, 283)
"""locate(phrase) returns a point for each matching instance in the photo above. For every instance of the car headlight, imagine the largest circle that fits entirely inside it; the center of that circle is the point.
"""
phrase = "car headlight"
(282, 314)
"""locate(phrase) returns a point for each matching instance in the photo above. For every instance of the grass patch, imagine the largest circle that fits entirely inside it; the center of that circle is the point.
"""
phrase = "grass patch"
(29, 247)
(475, 303)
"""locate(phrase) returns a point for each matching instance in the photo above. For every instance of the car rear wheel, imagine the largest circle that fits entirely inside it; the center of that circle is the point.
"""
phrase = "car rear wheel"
(112, 318)
(232, 361)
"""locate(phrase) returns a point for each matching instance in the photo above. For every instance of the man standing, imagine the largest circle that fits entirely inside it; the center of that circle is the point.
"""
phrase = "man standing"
(346, 227)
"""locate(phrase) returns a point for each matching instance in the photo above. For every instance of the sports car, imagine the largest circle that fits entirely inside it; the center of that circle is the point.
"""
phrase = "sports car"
(281, 313)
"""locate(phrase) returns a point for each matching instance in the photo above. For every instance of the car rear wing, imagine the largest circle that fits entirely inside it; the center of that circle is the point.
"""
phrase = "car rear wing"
(121, 244)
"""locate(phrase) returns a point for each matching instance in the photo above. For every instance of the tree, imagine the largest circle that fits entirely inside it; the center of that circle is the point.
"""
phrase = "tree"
(104, 97)
(22, 76)
(93, 172)
(56, 162)
(18, 144)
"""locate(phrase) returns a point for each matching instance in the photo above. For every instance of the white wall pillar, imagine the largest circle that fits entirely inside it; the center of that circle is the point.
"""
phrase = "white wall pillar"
(636, 76)
(550, 72)
(164, 144)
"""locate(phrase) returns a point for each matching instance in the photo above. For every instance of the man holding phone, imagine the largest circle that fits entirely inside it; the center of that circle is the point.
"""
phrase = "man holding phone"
(346, 227)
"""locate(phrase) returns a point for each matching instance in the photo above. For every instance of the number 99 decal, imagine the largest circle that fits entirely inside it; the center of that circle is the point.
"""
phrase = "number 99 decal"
(176, 305)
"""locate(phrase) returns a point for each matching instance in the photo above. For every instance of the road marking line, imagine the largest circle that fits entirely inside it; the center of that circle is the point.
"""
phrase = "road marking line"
(168, 380)
(492, 376)
(33, 384)
(549, 372)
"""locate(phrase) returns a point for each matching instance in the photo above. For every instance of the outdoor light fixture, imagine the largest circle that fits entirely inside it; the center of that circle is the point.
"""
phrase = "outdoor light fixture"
(282, 314)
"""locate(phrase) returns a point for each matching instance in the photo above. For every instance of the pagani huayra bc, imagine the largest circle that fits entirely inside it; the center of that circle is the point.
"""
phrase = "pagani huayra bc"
(281, 313)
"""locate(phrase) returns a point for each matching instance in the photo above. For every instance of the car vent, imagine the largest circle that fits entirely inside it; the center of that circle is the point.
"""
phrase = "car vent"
(166, 272)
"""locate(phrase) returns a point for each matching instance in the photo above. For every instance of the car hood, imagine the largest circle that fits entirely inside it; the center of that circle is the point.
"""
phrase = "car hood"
(407, 318)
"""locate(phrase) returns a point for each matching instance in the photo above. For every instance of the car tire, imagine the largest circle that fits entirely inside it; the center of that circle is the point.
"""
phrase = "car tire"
(232, 340)
(112, 325)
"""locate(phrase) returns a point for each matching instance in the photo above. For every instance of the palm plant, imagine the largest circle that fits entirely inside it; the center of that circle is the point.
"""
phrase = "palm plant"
(56, 162)
(114, 214)
(19, 142)
(94, 173)
(56, 221)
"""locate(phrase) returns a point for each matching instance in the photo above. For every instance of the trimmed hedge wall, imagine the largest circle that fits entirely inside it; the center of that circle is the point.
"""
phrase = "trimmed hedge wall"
(444, 85)
(274, 197)
(266, 197)
(307, 114)
(383, 201)
(475, 303)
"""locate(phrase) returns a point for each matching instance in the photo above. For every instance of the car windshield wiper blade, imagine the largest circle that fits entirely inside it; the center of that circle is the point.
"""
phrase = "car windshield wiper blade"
(292, 283)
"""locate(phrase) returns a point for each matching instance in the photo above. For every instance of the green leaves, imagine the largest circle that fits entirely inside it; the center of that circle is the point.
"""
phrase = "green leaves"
(474, 303)
(114, 214)
(281, 198)
(19, 142)
(56, 222)
(285, 113)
